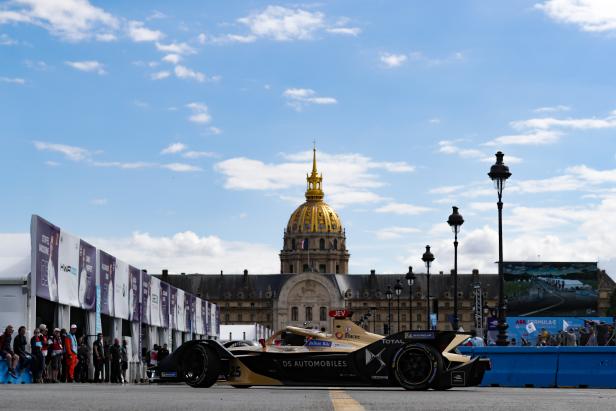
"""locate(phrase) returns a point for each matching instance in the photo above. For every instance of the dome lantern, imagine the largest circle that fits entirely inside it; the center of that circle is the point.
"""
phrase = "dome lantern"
(314, 190)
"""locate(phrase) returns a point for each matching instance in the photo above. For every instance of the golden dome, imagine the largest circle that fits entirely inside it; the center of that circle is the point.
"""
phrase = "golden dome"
(314, 216)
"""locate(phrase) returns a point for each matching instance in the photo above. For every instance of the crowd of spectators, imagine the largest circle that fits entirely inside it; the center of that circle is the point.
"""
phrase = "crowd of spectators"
(60, 356)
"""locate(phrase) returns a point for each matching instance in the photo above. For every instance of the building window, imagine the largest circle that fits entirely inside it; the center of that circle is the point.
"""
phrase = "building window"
(337, 269)
(322, 244)
(291, 268)
(269, 317)
(293, 245)
(294, 312)
(306, 268)
(305, 244)
(308, 313)
(378, 316)
(335, 243)
(226, 317)
(323, 314)
(252, 312)
(239, 316)
(321, 268)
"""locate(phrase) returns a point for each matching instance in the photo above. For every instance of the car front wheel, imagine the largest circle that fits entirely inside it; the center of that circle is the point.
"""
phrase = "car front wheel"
(200, 366)
(416, 366)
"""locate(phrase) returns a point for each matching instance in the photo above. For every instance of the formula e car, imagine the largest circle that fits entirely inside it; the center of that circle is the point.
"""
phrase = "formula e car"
(350, 356)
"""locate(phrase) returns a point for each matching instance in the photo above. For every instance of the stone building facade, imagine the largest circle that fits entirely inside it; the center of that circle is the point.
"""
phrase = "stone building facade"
(314, 279)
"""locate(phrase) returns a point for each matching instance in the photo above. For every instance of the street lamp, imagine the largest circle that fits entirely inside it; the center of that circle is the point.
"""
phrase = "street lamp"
(388, 294)
(398, 291)
(410, 280)
(499, 173)
(427, 258)
(455, 221)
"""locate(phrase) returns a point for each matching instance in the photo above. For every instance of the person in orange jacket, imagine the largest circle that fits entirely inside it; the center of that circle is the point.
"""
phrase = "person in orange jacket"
(70, 344)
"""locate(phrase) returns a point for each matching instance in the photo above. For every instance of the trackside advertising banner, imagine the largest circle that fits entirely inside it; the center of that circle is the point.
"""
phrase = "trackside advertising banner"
(68, 272)
(181, 310)
(135, 282)
(121, 288)
(188, 312)
(164, 304)
(107, 275)
(155, 301)
(217, 320)
(45, 238)
(528, 329)
(208, 324)
(145, 298)
(198, 317)
(87, 276)
(204, 317)
(173, 307)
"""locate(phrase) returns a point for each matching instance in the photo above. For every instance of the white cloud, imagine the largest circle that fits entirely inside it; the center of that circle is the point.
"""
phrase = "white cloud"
(191, 253)
(181, 167)
(552, 109)
(13, 80)
(131, 165)
(198, 154)
(52, 163)
(6, 40)
(156, 15)
(72, 153)
(139, 33)
(284, 24)
(402, 209)
(391, 233)
(347, 31)
(184, 72)
(215, 130)
(298, 98)
(99, 201)
(91, 66)
(200, 113)
(573, 123)
(535, 137)
(234, 38)
(174, 148)
(172, 58)
(589, 15)
(450, 147)
(201, 38)
(175, 48)
(36, 65)
(72, 20)
(106, 37)
(160, 75)
(393, 60)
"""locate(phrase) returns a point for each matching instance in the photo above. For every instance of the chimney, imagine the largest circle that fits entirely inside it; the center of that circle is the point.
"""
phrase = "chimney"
(221, 273)
(452, 271)
(440, 272)
(475, 275)
(165, 273)
(145, 271)
(373, 272)
(183, 274)
(245, 274)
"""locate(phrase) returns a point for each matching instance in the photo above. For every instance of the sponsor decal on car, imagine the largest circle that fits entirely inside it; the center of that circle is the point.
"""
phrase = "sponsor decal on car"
(318, 343)
(458, 378)
(346, 335)
(314, 363)
(370, 356)
(419, 335)
(169, 374)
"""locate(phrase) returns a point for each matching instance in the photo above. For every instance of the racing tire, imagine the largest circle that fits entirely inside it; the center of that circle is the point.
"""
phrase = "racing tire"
(200, 366)
(241, 386)
(417, 366)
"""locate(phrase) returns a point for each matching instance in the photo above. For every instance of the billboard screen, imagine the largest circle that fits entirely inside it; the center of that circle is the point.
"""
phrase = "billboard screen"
(45, 243)
(135, 282)
(87, 275)
(551, 288)
(107, 266)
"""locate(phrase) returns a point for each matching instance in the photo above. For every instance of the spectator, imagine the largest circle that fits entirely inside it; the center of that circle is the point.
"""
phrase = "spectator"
(70, 349)
(592, 337)
(569, 338)
(116, 358)
(163, 353)
(513, 342)
(44, 350)
(154, 356)
(124, 359)
(83, 363)
(19, 348)
(107, 358)
(57, 351)
(38, 361)
(476, 341)
(98, 358)
(64, 367)
(6, 352)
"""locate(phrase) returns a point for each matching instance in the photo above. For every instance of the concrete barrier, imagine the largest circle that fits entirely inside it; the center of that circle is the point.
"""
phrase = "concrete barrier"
(586, 367)
(23, 376)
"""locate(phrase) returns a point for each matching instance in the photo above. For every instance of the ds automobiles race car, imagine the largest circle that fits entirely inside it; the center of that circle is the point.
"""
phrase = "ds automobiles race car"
(350, 356)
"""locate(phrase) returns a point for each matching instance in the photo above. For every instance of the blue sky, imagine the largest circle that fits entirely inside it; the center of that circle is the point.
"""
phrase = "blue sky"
(178, 135)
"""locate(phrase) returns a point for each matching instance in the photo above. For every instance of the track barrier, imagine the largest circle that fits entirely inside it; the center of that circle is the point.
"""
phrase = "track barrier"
(546, 367)
(23, 376)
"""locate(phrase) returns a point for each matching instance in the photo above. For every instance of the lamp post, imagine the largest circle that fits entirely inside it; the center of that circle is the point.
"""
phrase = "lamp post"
(427, 258)
(499, 173)
(398, 291)
(455, 221)
(388, 295)
(410, 280)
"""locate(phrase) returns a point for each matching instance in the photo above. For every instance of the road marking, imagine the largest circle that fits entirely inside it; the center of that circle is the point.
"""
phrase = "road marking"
(342, 401)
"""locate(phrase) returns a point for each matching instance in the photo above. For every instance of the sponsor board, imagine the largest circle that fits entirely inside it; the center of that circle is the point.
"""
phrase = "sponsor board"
(318, 343)
(314, 363)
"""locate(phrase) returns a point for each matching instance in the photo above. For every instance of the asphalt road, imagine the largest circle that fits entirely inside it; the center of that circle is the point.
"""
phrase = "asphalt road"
(181, 397)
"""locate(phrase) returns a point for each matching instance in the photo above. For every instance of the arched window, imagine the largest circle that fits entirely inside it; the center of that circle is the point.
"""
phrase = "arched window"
(308, 313)
(335, 243)
(305, 244)
(306, 268)
(294, 313)
(322, 244)
(291, 268)
(293, 245)
(323, 314)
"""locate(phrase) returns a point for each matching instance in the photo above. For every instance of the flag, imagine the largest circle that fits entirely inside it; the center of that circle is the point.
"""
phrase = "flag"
(565, 325)
(530, 328)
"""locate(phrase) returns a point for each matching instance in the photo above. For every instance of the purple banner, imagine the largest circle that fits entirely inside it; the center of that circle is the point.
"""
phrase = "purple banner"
(188, 302)
(173, 307)
(45, 241)
(145, 298)
(87, 276)
(204, 315)
(107, 277)
(135, 281)
(218, 320)
(208, 325)
(164, 304)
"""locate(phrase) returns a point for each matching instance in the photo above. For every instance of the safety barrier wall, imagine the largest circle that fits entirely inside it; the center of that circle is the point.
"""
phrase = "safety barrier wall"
(586, 367)
(23, 376)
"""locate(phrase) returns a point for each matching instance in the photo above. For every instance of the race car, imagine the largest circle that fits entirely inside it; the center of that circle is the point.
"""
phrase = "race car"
(350, 356)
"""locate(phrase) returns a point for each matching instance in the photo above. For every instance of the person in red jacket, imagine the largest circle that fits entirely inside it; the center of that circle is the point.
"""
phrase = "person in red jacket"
(71, 347)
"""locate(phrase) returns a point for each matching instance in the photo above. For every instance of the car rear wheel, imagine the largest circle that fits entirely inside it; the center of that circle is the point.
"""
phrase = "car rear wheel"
(416, 366)
(200, 366)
